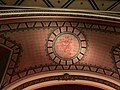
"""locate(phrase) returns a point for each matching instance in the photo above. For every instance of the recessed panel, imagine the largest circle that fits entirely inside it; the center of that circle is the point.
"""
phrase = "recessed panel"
(4, 60)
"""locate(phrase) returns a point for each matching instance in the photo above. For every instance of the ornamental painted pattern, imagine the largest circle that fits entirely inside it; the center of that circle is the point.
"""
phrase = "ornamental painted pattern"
(66, 45)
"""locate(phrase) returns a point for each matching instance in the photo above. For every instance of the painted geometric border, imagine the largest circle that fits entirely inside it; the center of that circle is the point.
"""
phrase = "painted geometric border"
(66, 77)
(116, 57)
(68, 3)
(49, 67)
(50, 45)
(31, 25)
(14, 60)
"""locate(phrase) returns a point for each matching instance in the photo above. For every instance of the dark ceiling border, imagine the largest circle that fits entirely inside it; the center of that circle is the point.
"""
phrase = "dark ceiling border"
(14, 60)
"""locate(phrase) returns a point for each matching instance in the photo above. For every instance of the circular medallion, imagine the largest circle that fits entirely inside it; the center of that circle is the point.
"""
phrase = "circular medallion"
(66, 45)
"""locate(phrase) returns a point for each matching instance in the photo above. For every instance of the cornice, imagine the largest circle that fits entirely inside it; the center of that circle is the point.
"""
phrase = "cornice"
(62, 12)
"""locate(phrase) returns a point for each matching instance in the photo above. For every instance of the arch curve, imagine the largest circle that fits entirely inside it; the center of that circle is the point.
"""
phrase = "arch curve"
(67, 77)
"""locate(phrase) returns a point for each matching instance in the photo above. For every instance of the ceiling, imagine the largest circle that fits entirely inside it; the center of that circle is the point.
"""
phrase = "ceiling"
(80, 35)
(104, 5)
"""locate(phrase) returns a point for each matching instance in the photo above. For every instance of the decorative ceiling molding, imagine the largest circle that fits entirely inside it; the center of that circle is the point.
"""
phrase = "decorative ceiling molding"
(63, 43)
(67, 76)
(52, 11)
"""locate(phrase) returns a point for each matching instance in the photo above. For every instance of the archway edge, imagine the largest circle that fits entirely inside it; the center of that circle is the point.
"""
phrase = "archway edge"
(78, 82)
(29, 78)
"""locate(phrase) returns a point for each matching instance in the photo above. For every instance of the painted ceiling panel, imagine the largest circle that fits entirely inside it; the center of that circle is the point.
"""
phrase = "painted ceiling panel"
(80, 5)
(51, 39)
(34, 44)
(33, 47)
(104, 5)
(32, 3)
(117, 8)
(57, 3)
(8, 2)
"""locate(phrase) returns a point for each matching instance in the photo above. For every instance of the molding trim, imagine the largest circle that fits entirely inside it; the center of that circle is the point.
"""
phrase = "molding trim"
(68, 76)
